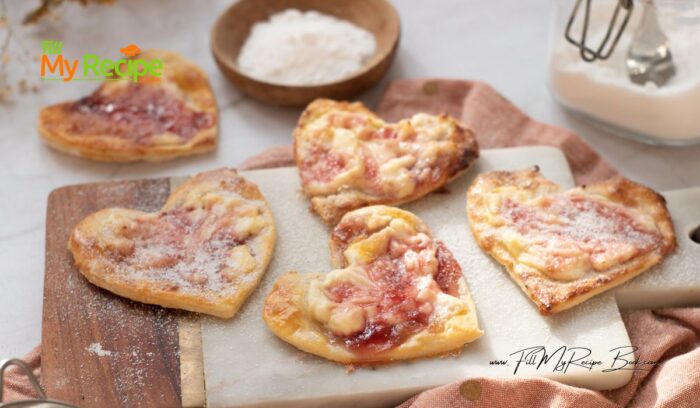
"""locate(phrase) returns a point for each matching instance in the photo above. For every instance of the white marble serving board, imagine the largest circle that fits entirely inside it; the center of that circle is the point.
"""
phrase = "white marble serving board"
(246, 365)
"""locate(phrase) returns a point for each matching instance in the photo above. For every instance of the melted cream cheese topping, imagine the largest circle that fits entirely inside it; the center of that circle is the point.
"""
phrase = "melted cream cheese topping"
(376, 155)
(200, 243)
(567, 235)
(414, 255)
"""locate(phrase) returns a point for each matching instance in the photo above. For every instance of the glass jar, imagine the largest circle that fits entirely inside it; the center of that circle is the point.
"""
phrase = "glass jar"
(602, 90)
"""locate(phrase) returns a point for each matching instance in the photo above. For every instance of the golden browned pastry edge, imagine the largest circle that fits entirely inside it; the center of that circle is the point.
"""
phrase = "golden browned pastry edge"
(551, 296)
(109, 148)
(332, 207)
(285, 315)
(101, 273)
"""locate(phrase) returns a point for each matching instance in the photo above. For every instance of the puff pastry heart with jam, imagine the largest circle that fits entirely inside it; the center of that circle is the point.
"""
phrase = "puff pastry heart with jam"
(563, 247)
(157, 118)
(349, 158)
(396, 293)
(204, 251)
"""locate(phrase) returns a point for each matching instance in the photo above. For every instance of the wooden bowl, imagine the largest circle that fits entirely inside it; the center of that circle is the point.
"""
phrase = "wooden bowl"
(233, 26)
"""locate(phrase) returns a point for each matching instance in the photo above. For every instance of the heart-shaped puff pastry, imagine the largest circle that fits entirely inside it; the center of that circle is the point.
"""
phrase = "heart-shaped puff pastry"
(204, 251)
(349, 158)
(564, 247)
(397, 293)
(154, 119)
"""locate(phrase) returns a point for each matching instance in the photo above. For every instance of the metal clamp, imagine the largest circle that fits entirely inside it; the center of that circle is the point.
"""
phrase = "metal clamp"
(41, 402)
(601, 53)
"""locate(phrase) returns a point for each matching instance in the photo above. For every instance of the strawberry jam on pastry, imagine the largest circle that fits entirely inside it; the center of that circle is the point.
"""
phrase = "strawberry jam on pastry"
(395, 289)
(570, 233)
(564, 246)
(157, 118)
(205, 251)
(349, 158)
(137, 112)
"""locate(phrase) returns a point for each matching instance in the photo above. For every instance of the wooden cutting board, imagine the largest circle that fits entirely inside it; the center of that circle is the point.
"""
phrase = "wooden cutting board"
(103, 350)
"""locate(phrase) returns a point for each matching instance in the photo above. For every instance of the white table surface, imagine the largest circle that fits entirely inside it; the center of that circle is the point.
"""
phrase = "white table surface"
(502, 42)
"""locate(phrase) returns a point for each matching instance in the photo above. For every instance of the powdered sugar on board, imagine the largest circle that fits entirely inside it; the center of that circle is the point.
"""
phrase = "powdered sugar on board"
(676, 282)
(118, 343)
(245, 364)
(99, 349)
(96, 348)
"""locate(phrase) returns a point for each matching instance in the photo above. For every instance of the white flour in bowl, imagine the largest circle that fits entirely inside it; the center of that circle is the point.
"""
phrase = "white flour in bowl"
(305, 48)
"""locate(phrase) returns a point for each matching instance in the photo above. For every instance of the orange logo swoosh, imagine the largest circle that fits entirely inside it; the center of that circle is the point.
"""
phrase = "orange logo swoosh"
(130, 50)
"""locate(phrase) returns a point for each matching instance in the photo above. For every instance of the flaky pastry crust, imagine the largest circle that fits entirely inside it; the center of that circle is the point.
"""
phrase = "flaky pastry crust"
(564, 247)
(205, 251)
(153, 120)
(289, 307)
(349, 158)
